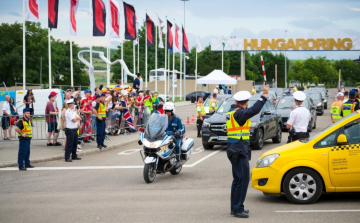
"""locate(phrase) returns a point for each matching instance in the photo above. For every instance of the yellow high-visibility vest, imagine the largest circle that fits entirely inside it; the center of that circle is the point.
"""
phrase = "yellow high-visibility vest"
(211, 106)
(26, 129)
(234, 130)
(335, 111)
(202, 110)
(102, 110)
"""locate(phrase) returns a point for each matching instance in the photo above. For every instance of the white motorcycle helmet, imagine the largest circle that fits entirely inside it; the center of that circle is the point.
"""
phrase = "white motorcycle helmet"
(169, 106)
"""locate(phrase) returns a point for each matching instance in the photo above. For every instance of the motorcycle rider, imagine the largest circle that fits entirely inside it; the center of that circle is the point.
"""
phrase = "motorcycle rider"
(175, 127)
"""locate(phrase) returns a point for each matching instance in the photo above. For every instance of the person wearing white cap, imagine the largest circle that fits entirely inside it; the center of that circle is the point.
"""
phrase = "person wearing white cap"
(71, 132)
(238, 150)
(299, 119)
(336, 112)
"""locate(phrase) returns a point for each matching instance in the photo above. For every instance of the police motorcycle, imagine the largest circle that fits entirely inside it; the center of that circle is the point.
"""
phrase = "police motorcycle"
(159, 148)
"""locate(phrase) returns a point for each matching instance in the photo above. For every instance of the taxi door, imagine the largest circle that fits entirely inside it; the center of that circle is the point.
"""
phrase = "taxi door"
(344, 160)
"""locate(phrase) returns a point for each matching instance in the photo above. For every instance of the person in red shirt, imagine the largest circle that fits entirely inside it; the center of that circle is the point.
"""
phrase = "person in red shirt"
(51, 120)
(87, 110)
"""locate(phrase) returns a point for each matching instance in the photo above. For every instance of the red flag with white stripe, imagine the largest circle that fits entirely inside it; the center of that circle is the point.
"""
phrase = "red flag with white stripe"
(115, 19)
(161, 44)
(73, 9)
(176, 45)
(33, 10)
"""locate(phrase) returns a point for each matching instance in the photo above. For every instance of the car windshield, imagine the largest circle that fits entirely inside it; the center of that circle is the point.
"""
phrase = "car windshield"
(315, 96)
(156, 126)
(226, 105)
(207, 102)
(285, 103)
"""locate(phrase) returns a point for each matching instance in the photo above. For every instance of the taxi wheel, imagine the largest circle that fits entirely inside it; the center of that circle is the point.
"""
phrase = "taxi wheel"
(302, 186)
(259, 140)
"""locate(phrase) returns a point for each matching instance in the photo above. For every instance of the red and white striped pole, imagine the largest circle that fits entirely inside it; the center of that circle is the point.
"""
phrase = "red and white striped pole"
(263, 68)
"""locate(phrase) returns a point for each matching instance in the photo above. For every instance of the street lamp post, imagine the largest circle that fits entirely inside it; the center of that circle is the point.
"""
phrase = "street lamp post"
(285, 65)
(184, 56)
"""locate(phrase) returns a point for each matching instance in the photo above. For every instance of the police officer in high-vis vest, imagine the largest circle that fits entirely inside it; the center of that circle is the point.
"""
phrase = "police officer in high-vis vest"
(350, 105)
(336, 113)
(100, 113)
(200, 114)
(238, 146)
(23, 128)
(213, 104)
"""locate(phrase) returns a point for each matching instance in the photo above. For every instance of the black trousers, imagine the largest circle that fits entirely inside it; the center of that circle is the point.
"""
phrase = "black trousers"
(241, 178)
(199, 124)
(71, 143)
(297, 137)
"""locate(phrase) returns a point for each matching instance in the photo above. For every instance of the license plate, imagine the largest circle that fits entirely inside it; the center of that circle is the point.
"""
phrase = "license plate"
(222, 138)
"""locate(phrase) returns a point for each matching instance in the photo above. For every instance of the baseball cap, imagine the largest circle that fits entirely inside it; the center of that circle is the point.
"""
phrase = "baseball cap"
(53, 93)
(340, 94)
(67, 90)
(102, 95)
(83, 101)
(104, 90)
(26, 110)
(352, 93)
(87, 91)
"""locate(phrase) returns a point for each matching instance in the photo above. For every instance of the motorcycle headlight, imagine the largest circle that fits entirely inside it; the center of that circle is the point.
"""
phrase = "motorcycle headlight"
(206, 124)
(267, 160)
(318, 104)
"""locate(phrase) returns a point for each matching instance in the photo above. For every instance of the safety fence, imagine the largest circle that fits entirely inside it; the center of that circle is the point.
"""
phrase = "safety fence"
(45, 127)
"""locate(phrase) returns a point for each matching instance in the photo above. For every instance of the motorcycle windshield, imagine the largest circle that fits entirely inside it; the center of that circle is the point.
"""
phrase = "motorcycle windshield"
(156, 126)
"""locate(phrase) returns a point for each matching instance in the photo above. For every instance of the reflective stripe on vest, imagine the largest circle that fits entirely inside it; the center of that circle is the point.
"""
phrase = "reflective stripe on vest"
(202, 111)
(102, 110)
(211, 107)
(348, 108)
(234, 130)
(26, 129)
(335, 111)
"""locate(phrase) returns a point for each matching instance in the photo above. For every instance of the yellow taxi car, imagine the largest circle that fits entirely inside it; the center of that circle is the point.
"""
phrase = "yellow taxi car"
(327, 162)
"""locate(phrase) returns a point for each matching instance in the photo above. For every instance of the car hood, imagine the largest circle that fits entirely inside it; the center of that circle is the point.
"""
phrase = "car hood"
(284, 112)
(283, 149)
(317, 101)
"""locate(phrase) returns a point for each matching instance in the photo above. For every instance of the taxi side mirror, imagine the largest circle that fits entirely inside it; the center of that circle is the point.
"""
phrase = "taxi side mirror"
(342, 139)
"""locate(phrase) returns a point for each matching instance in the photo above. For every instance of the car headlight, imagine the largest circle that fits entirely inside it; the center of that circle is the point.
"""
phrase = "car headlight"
(318, 104)
(206, 124)
(267, 160)
(253, 124)
(324, 100)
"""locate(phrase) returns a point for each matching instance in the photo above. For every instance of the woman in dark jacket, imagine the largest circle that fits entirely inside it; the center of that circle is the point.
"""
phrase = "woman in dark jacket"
(14, 116)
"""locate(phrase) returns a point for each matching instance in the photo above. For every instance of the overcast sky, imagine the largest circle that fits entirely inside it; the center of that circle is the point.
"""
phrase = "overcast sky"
(207, 19)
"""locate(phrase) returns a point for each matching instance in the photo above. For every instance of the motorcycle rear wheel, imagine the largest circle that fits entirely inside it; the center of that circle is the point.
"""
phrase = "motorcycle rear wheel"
(149, 172)
(176, 171)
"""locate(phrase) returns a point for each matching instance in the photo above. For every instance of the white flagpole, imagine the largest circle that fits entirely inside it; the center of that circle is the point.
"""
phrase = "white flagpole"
(108, 47)
(156, 57)
(122, 58)
(138, 67)
(146, 61)
(71, 63)
(165, 57)
(222, 55)
(168, 82)
(91, 24)
(181, 75)
(24, 54)
(173, 76)
(196, 71)
(49, 58)
(134, 62)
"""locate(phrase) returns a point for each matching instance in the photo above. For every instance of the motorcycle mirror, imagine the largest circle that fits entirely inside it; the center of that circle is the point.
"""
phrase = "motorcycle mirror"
(140, 143)
(141, 129)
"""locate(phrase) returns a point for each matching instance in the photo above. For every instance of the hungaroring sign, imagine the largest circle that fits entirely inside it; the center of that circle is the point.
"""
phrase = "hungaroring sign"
(299, 44)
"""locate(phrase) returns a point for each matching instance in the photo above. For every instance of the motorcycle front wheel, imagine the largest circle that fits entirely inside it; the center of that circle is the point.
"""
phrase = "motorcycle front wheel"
(149, 172)
(176, 171)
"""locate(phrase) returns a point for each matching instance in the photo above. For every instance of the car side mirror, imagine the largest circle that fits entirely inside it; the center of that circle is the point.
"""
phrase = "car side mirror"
(342, 139)
(267, 113)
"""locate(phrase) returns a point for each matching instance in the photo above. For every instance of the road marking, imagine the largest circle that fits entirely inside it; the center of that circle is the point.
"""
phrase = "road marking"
(317, 211)
(129, 151)
(104, 167)
(197, 150)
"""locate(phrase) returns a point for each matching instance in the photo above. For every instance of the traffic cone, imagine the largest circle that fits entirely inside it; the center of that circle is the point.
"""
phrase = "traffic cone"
(193, 119)
(188, 121)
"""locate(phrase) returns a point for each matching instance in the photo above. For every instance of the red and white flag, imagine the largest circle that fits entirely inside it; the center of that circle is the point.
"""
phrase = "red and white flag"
(161, 44)
(33, 10)
(73, 9)
(176, 45)
(115, 19)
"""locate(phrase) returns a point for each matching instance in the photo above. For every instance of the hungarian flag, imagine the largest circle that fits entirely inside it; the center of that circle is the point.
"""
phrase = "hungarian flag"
(185, 42)
(169, 36)
(115, 19)
(73, 9)
(150, 31)
(33, 10)
(53, 11)
(176, 45)
(99, 21)
(130, 22)
(161, 44)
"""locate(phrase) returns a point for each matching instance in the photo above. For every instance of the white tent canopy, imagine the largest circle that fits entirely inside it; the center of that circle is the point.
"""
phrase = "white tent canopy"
(216, 77)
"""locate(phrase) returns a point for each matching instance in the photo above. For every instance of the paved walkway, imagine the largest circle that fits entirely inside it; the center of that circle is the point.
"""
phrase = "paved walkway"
(40, 152)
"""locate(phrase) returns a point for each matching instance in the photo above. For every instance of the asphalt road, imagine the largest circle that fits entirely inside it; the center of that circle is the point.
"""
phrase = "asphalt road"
(109, 187)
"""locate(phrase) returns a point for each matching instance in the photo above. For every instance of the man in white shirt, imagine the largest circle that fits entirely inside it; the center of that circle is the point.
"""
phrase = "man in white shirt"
(71, 132)
(299, 119)
(216, 90)
(5, 121)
